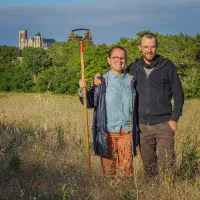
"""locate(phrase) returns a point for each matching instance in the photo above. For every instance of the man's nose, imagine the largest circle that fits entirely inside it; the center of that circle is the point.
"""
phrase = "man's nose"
(149, 49)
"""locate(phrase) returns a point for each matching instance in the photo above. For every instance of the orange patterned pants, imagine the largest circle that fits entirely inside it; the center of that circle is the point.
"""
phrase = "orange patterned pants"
(120, 157)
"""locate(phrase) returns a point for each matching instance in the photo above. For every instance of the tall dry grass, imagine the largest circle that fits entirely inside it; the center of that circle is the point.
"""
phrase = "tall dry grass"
(42, 154)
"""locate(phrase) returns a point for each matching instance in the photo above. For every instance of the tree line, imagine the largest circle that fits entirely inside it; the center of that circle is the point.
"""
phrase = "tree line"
(57, 69)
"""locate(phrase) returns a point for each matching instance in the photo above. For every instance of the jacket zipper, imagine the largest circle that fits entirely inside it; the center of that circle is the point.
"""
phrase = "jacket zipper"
(147, 88)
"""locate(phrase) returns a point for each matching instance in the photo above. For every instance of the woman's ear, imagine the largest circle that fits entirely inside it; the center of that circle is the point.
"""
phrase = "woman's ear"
(108, 59)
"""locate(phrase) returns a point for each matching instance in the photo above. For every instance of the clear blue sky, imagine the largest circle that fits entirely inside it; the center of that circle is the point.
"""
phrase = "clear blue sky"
(108, 20)
(42, 2)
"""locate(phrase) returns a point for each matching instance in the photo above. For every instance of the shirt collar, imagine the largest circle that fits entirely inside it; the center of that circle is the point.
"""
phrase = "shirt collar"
(112, 75)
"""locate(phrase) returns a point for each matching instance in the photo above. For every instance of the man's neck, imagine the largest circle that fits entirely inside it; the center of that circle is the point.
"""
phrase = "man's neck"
(146, 61)
(150, 64)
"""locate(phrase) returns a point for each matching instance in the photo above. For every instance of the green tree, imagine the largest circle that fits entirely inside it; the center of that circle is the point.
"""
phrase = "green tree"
(13, 77)
(58, 68)
(8, 54)
(62, 52)
(36, 59)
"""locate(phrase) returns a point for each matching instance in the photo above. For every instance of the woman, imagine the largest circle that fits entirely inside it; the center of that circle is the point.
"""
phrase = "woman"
(114, 123)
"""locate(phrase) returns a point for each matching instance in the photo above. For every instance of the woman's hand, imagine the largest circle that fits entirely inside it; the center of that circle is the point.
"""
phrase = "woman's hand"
(83, 83)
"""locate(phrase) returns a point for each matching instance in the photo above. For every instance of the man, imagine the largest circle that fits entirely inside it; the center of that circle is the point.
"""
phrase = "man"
(157, 81)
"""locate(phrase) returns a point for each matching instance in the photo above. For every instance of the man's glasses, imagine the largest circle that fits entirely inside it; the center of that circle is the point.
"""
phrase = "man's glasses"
(118, 58)
(148, 47)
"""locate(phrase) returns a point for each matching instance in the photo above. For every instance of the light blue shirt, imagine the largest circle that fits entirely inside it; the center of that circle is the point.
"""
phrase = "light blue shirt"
(118, 103)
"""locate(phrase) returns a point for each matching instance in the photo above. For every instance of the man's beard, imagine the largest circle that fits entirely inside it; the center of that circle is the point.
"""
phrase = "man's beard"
(150, 60)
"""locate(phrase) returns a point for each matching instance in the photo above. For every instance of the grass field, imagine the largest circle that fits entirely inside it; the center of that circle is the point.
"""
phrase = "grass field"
(42, 154)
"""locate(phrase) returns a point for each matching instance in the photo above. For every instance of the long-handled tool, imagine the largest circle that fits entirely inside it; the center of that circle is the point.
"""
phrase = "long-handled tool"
(82, 40)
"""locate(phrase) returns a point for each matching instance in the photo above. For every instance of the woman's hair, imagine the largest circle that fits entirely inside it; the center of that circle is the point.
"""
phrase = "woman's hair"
(115, 47)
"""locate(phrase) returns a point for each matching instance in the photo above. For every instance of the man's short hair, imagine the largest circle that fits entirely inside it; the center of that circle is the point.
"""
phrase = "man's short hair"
(148, 35)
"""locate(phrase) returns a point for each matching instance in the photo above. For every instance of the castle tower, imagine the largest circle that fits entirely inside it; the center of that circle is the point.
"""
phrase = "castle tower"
(23, 39)
(38, 40)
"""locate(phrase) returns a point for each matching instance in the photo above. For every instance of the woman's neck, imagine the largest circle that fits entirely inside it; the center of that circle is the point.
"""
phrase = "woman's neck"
(117, 73)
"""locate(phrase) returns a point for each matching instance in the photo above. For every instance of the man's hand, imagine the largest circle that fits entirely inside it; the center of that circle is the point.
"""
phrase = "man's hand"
(96, 80)
(173, 125)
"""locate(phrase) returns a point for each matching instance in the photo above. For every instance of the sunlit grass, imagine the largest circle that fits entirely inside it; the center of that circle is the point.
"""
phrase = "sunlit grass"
(43, 154)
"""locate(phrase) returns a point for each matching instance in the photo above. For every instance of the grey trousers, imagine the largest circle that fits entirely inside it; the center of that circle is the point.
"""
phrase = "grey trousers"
(157, 147)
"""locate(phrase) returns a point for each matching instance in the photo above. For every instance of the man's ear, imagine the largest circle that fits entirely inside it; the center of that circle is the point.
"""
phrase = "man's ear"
(140, 48)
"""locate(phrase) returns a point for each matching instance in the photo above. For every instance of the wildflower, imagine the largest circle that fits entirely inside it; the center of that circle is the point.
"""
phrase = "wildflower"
(1, 148)
(38, 183)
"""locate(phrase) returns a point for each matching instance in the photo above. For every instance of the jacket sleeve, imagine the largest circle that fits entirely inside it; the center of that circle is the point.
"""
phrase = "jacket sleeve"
(89, 97)
(177, 93)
